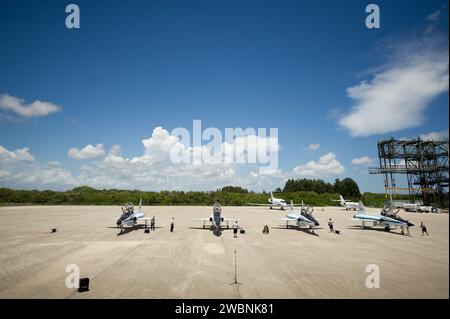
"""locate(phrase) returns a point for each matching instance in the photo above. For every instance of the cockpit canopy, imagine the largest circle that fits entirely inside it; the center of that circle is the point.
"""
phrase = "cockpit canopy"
(217, 208)
(127, 209)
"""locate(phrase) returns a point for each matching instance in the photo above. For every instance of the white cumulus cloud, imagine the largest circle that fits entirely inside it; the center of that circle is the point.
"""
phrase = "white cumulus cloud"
(18, 106)
(89, 151)
(154, 169)
(21, 154)
(19, 169)
(314, 146)
(435, 136)
(397, 95)
(364, 160)
(326, 165)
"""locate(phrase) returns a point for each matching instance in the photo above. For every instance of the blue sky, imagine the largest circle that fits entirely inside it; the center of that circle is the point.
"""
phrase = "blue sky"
(134, 66)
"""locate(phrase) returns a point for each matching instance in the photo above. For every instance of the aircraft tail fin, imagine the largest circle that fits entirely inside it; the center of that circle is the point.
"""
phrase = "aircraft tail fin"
(292, 204)
(341, 199)
(140, 205)
(271, 195)
(361, 207)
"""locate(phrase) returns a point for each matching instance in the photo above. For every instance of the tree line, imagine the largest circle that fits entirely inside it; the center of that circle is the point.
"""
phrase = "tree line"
(311, 192)
(347, 187)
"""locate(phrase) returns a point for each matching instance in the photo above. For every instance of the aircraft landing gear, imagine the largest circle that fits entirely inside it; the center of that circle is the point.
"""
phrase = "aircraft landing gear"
(387, 228)
(270, 207)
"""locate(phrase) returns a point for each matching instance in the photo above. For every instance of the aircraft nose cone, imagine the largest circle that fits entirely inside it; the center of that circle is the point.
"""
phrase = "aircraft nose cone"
(311, 218)
(410, 224)
(119, 221)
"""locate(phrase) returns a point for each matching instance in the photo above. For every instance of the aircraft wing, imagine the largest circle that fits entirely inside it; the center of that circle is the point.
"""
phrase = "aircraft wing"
(391, 223)
(376, 221)
(144, 218)
(256, 204)
(201, 219)
(366, 220)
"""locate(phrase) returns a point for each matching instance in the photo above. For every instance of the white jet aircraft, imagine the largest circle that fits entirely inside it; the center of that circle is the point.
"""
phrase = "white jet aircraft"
(131, 218)
(216, 219)
(304, 218)
(385, 219)
(273, 202)
(346, 204)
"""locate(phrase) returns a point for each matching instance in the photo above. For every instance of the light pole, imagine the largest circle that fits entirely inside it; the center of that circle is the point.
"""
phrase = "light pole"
(236, 282)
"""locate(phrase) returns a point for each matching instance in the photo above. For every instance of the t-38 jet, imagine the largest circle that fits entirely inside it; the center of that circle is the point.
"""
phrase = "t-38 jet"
(130, 217)
(215, 221)
(304, 218)
(386, 219)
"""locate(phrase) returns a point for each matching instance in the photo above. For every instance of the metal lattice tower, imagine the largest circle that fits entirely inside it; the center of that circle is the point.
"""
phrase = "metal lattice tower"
(425, 164)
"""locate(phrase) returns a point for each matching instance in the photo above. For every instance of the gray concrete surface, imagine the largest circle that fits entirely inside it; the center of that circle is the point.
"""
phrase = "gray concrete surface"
(193, 263)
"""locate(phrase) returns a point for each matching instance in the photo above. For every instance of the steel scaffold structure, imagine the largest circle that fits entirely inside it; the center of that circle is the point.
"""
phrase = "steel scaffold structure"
(425, 164)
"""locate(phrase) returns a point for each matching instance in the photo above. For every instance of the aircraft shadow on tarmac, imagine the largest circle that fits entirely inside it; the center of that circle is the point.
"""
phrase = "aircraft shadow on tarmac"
(304, 230)
(216, 233)
(126, 230)
(357, 227)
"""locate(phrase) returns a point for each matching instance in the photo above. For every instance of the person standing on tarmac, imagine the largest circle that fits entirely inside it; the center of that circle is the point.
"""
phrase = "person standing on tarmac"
(331, 225)
(172, 225)
(235, 229)
(423, 227)
(152, 223)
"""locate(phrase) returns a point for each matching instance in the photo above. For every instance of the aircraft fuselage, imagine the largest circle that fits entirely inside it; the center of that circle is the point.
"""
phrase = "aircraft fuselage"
(130, 220)
(379, 220)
